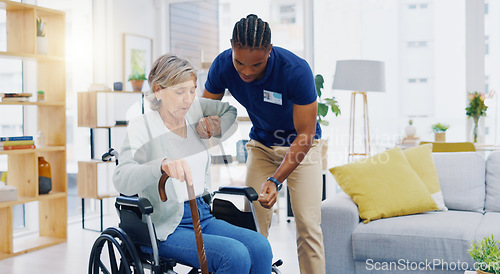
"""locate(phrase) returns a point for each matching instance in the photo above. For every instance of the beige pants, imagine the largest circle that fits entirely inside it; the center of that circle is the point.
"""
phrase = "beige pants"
(305, 186)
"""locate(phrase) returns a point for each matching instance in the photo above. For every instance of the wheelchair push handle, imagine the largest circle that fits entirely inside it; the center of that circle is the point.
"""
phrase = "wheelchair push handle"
(249, 192)
(108, 156)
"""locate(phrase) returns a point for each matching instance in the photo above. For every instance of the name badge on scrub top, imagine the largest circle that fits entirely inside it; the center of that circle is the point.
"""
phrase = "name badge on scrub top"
(272, 97)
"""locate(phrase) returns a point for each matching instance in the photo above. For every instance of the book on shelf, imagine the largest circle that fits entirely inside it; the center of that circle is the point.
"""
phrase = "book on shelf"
(16, 138)
(15, 99)
(17, 147)
(16, 143)
(13, 94)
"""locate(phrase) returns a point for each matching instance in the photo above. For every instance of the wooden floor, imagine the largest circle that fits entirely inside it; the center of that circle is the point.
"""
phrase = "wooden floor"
(72, 256)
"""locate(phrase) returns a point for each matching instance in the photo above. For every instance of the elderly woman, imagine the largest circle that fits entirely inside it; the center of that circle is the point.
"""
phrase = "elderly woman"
(169, 141)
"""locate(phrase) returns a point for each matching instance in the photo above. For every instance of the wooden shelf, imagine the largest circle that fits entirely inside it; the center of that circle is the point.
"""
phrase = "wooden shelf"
(101, 109)
(32, 150)
(31, 56)
(95, 179)
(50, 104)
(22, 164)
(27, 244)
(24, 200)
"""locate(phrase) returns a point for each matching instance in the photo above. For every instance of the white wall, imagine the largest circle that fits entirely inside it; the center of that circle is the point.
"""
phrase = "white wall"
(492, 67)
(109, 20)
(380, 30)
(449, 68)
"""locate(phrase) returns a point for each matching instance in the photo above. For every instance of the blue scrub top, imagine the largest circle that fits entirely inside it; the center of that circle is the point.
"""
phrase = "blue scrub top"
(288, 80)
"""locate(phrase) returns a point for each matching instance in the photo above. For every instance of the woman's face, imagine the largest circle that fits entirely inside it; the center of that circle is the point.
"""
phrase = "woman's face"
(176, 100)
(250, 63)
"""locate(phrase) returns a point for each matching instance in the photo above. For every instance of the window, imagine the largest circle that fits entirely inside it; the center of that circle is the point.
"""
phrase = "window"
(287, 26)
(193, 27)
(486, 8)
(417, 80)
(486, 85)
(419, 6)
(416, 44)
(486, 45)
(287, 14)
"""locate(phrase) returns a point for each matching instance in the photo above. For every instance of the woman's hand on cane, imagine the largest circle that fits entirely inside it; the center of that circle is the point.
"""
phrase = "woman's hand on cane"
(177, 169)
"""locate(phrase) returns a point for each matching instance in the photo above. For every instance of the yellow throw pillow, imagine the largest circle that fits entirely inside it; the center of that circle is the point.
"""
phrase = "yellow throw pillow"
(383, 186)
(420, 159)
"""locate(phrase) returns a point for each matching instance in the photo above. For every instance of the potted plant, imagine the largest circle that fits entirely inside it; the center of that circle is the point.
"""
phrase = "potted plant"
(137, 79)
(486, 255)
(323, 105)
(42, 45)
(440, 131)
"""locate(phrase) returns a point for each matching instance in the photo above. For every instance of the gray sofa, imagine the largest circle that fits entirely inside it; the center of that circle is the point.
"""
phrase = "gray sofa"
(430, 242)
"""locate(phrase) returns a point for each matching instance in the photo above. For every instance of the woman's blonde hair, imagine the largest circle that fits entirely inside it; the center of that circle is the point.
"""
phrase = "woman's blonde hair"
(168, 70)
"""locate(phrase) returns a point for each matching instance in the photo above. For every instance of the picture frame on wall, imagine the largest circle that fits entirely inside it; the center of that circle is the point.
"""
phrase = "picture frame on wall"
(137, 57)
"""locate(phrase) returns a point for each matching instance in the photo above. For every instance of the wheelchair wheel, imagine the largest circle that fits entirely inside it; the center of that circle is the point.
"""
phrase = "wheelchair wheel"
(120, 255)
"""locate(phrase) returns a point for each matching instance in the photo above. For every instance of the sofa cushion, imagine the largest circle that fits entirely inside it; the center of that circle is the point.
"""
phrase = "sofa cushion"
(443, 235)
(420, 159)
(384, 185)
(490, 224)
(462, 179)
(493, 182)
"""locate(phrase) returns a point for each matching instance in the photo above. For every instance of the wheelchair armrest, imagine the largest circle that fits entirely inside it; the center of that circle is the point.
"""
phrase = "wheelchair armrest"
(249, 192)
(142, 204)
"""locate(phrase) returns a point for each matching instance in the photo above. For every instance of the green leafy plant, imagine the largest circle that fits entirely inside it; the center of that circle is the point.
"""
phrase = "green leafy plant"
(476, 109)
(438, 127)
(486, 254)
(40, 27)
(137, 76)
(323, 104)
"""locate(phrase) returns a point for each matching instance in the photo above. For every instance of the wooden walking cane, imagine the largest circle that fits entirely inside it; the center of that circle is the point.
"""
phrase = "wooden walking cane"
(194, 215)
(197, 227)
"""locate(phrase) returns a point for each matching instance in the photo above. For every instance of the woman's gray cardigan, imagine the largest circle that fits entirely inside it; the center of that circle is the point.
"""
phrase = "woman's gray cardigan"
(144, 148)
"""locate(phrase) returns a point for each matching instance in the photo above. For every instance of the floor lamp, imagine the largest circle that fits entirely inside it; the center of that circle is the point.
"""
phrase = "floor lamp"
(359, 76)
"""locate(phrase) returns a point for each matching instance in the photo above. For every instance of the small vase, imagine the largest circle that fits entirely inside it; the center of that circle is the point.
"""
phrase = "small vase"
(410, 131)
(476, 134)
(44, 176)
(42, 45)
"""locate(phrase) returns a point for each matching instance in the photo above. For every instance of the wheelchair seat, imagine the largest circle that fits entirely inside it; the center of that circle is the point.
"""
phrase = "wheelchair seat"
(126, 244)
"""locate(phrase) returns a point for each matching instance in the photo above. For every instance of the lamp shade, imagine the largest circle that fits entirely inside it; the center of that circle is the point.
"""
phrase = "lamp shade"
(359, 75)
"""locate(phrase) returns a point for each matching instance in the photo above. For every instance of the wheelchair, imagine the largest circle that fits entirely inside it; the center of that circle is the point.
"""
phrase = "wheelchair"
(118, 249)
